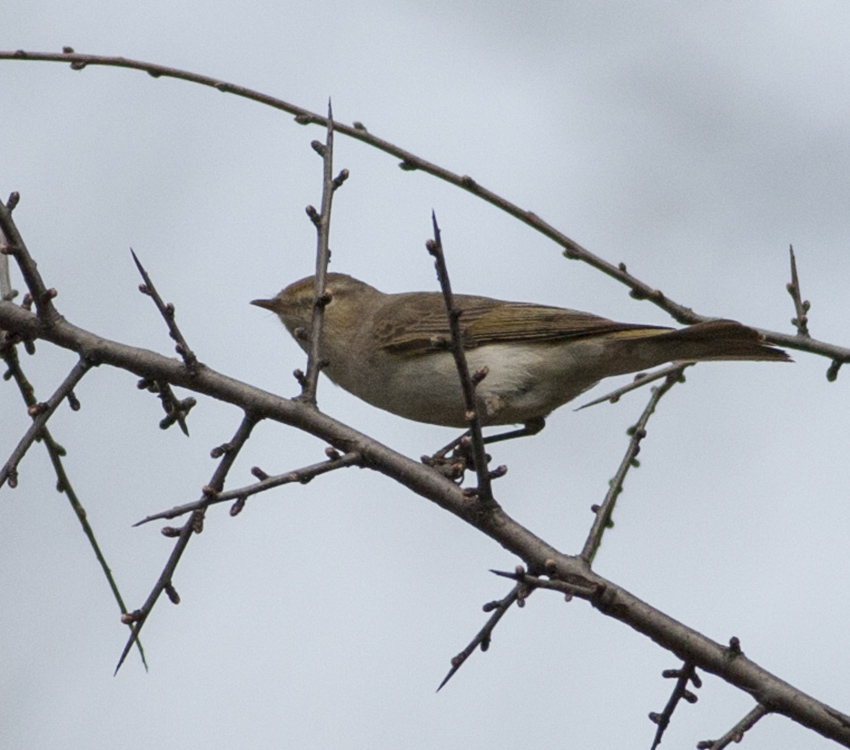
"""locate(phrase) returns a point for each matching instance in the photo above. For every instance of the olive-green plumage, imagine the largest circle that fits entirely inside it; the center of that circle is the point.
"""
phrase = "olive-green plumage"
(391, 350)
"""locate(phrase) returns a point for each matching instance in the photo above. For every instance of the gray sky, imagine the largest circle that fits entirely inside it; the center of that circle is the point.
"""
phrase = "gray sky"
(693, 141)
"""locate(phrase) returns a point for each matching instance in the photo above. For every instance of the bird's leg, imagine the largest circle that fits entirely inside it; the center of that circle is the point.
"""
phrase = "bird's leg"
(531, 427)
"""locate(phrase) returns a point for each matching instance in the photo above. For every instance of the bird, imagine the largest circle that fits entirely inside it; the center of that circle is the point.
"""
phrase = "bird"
(394, 350)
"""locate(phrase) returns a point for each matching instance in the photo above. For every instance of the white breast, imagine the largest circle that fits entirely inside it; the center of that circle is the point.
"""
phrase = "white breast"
(524, 381)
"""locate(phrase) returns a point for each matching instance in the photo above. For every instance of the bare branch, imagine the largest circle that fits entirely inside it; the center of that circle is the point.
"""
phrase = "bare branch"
(176, 410)
(736, 733)
(572, 250)
(611, 600)
(483, 637)
(194, 525)
(605, 511)
(63, 484)
(167, 312)
(468, 382)
(801, 307)
(640, 380)
(322, 222)
(564, 571)
(409, 162)
(41, 412)
(683, 676)
(14, 246)
(301, 476)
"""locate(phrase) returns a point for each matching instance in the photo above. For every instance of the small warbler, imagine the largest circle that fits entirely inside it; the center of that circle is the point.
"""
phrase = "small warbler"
(393, 350)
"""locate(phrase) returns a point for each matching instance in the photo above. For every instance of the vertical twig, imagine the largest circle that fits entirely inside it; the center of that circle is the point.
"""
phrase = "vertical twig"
(468, 382)
(15, 246)
(6, 292)
(801, 306)
(322, 222)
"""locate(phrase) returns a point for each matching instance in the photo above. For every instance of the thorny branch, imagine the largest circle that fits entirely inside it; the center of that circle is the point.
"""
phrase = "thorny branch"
(42, 411)
(640, 380)
(166, 309)
(562, 570)
(736, 733)
(212, 492)
(468, 381)
(539, 556)
(14, 246)
(801, 306)
(637, 433)
(322, 222)
(409, 161)
(482, 638)
(63, 483)
(176, 410)
(194, 525)
(302, 476)
(685, 674)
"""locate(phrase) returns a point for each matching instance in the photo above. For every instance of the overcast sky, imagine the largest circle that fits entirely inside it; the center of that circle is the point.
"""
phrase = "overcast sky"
(692, 141)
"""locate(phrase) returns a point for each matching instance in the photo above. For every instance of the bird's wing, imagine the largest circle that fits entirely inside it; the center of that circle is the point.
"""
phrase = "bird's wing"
(410, 328)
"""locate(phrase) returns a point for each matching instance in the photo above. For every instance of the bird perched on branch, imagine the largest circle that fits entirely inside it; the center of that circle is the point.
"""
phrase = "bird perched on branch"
(394, 350)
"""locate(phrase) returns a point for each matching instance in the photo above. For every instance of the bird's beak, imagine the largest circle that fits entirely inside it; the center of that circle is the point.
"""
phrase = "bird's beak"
(266, 304)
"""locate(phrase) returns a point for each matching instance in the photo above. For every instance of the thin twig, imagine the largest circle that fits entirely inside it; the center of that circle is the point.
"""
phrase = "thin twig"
(801, 306)
(41, 412)
(736, 733)
(525, 586)
(322, 222)
(568, 589)
(605, 511)
(409, 162)
(640, 380)
(483, 637)
(166, 309)
(7, 293)
(63, 484)
(468, 381)
(176, 409)
(194, 525)
(302, 476)
(684, 675)
(15, 246)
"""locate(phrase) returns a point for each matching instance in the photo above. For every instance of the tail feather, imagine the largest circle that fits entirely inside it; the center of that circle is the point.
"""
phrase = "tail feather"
(723, 340)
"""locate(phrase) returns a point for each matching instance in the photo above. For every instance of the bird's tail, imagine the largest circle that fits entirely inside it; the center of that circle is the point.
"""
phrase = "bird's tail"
(713, 340)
